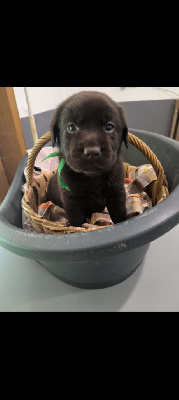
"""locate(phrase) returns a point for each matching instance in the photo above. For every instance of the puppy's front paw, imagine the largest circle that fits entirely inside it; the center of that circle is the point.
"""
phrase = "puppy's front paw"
(77, 221)
(118, 216)
(117, 207)
(119, 219)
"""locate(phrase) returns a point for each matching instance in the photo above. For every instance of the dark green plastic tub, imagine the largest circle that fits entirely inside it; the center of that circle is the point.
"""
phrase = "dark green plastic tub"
(104, 257)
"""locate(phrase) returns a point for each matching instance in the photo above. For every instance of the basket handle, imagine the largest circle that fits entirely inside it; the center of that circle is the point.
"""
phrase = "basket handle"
(33, 154)
(151, 157)
(134, 140)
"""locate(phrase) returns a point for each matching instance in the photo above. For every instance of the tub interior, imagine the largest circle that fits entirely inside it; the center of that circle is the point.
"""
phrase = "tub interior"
(162, 147)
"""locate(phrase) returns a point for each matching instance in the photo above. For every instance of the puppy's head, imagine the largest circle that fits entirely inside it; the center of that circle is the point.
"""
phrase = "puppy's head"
(89, 128)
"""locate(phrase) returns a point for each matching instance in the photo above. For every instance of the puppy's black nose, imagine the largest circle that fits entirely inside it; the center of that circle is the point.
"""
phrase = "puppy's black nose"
(92, 152)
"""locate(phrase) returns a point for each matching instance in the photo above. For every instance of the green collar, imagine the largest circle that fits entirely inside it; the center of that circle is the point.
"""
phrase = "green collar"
(60, 167)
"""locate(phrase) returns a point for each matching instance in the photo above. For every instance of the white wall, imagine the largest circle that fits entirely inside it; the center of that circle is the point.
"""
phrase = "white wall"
(47, 98)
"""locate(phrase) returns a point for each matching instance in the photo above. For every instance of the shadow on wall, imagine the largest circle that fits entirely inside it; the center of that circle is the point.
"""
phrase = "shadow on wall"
(153, 116)
(42, 120)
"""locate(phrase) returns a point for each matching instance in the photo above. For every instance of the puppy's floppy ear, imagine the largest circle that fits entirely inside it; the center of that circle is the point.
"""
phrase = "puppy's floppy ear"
(55, 126)
(125, 136)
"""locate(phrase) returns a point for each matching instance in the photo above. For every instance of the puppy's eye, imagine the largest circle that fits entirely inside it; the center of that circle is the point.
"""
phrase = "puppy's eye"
(72, 128)
(109, 127)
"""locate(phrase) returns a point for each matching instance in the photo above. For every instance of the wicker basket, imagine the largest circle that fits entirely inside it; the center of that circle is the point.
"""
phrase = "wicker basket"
(158, 189)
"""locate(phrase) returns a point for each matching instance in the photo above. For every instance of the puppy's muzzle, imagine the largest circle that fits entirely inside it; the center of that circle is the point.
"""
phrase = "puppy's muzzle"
(92, 152)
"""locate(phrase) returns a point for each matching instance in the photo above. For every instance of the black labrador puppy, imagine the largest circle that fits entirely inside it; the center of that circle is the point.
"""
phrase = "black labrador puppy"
(89, 128)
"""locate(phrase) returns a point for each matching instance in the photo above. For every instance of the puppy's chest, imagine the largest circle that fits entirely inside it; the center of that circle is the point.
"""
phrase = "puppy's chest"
(92, 187)
(91, 196)
(81, 185)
